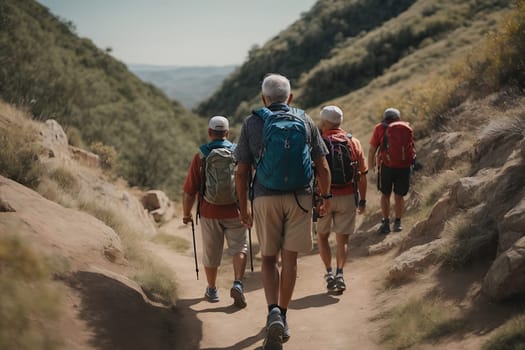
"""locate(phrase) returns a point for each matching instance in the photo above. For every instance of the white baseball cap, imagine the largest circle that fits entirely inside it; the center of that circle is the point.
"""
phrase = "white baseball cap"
(219, 123)
(333, 114)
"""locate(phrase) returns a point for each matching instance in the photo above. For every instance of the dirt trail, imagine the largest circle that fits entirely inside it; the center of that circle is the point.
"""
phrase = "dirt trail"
(317, 320)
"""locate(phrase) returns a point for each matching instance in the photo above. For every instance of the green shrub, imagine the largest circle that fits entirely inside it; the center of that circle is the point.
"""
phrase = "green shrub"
(107, 155)
(74, 137)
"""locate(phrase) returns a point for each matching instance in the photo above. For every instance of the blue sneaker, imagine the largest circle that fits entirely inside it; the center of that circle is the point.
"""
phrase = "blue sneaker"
(211, 294)
(286, 332)
(274, 331)
(236, 292)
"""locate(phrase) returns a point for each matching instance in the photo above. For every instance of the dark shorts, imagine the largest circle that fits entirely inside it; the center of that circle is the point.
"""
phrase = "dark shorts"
(396, 178)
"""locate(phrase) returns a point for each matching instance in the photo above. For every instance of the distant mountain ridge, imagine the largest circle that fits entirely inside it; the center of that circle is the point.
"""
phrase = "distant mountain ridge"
(188, 84)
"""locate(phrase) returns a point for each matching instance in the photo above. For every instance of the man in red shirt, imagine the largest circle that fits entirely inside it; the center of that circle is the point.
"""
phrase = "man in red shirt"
(218, 221)
(341, 216)
(392, 174)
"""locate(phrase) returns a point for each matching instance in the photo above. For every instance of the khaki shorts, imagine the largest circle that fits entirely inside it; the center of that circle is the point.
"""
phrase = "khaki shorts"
(341, 218)
(213, 233)
(281, 223)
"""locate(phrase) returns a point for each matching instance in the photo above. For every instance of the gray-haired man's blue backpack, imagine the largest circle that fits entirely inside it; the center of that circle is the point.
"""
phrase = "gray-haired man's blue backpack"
(284, 163)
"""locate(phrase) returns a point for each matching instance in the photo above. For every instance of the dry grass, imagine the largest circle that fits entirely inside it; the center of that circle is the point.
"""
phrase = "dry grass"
(153, 276)
(510, 336)
(419, 321)
(20, 154)
(30, 302)
(63, 187)
(499, 130)
(471, 238)
(64, 178)
(178, 244)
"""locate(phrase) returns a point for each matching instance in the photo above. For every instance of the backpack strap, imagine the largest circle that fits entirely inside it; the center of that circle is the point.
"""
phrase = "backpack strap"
(264, 113)
(208, 147)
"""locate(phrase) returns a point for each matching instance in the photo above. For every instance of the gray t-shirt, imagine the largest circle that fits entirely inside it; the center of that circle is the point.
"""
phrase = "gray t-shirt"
(251, 139)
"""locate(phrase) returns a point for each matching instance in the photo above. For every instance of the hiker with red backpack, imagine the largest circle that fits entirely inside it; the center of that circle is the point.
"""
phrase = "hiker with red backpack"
(393, 141)
(281, 143)
(211, 180)
(348, 186)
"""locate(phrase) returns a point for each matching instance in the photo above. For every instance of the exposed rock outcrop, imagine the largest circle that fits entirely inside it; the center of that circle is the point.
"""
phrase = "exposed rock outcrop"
(5, 207)
(414, 260)
(84, 157)
(59, 231)
(54, 139)
(470, 191)
(158, 205)
(442, 150)
(506, 276)
(385, 245)
(512, 227)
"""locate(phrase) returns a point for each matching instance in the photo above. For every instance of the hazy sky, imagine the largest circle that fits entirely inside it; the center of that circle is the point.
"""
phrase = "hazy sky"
(178, 32)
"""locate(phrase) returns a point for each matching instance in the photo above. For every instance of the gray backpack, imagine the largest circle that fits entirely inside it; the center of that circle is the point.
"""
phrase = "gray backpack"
(219, 176)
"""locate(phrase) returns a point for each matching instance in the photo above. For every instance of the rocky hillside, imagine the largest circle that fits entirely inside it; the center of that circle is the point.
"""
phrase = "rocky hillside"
(50, 71)
(72, 246)
(79, 250)
(341, 46)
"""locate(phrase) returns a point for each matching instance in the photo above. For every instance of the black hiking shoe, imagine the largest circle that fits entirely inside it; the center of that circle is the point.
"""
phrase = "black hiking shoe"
(236, 292)
(330, 281)
(340, 283)
(385, 227)
(274, 331)
(397, 225)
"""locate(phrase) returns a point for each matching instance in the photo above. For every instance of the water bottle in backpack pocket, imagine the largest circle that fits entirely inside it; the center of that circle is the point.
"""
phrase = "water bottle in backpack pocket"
(284, 163)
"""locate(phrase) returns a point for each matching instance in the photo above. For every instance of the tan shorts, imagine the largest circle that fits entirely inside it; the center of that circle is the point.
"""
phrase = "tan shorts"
(341, 218)
(213, 233)
(281, 223)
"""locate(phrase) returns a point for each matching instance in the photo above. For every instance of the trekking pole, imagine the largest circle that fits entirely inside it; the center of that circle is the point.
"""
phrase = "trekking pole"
(250, 190)
(195, 249)
(251, 251)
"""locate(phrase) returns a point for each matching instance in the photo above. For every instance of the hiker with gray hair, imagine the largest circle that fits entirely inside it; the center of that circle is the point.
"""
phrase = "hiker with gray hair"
(348, 173)
(280, 142)
(392, 149)
(211, 180)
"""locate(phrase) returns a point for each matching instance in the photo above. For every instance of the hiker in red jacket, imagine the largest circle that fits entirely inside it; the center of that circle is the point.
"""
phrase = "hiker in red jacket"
(393, 141)
(210, 180)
